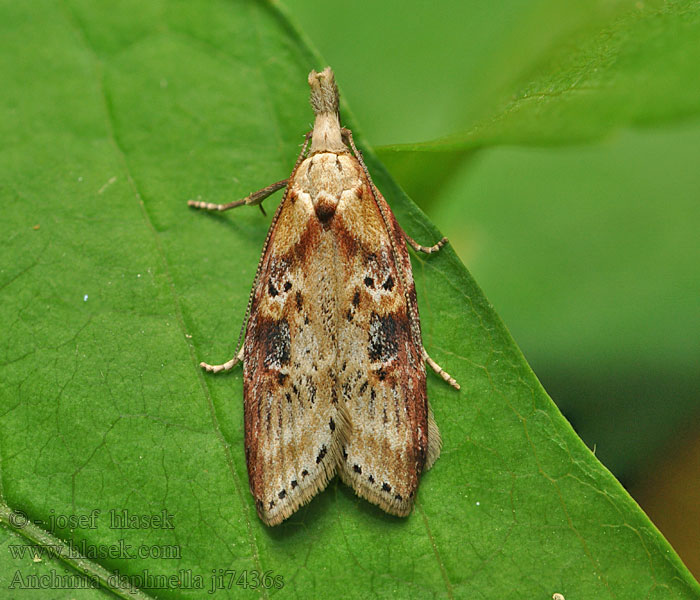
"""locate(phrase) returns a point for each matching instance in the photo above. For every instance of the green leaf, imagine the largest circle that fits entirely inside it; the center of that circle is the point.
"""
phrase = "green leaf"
(442, 66)
(641, 69)
(112, 291)
(589, 253)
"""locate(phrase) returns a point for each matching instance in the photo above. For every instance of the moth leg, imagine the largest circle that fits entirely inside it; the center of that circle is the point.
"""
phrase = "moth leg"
(224, 367)
(415, 245)
(427, 249)
(250, 200)
(439, 370)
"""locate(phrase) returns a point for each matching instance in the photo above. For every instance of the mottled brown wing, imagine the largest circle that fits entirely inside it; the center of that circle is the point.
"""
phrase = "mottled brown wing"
(293, 427)
(392, 437)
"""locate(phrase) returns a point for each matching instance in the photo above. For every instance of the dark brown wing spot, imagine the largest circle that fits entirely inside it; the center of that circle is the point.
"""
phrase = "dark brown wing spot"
(288, 286)
(388, 284)
(294, 483)
(325, 211)
(321, 454)
(304, 473)
(282, 494)
(276, 341)
(356, 299)
(371, 479)
(369, 282)
(331, 424)
(383, 338)
(386, 487)
(271, 289)
(357, 469)
(300, 300)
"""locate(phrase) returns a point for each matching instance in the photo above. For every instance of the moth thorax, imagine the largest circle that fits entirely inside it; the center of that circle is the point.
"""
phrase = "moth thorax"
(324, 101)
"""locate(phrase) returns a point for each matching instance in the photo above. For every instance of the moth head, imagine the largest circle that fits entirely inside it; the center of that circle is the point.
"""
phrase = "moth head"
(327, 136)
(324, 92)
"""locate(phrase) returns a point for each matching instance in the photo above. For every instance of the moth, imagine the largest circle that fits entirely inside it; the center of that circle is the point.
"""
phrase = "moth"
(334, 378)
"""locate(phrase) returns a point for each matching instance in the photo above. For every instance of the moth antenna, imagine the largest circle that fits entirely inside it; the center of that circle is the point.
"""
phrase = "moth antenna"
(387, 225)
(239, 343)
(302, 154)
(414, 325)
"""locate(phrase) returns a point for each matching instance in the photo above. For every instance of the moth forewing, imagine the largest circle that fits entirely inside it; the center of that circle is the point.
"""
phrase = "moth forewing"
(333, 362)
